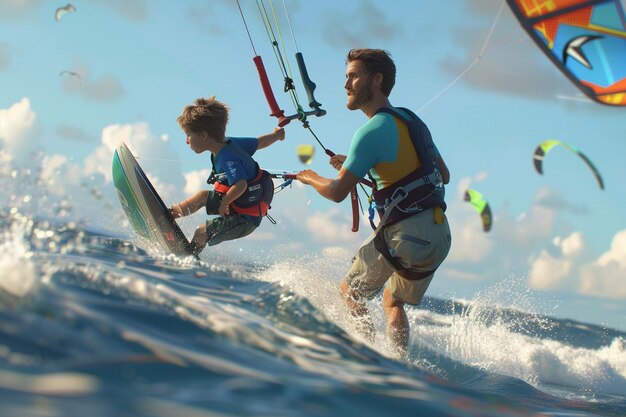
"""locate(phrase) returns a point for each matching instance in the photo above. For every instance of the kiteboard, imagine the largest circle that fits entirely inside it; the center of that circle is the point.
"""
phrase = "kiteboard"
(145, 209)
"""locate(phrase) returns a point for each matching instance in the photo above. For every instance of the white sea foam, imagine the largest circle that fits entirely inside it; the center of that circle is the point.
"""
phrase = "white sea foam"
(483, 336)
(17, 271)
(496, 348)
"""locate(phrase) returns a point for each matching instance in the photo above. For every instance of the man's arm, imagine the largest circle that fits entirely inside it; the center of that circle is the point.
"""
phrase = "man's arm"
(336, 190)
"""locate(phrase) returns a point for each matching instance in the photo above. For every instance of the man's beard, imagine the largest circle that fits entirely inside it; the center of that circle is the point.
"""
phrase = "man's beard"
(362, 97)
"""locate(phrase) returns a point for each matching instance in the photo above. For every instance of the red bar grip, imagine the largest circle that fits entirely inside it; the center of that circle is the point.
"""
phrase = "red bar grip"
(269, 94)
(355, 209)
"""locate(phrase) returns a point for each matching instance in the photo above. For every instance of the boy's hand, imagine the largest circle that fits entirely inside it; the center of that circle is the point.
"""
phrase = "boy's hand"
(223, 209)
(176, 211)
(279, 133)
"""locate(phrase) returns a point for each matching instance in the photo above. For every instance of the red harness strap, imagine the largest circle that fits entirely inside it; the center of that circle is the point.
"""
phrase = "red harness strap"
(242, 204)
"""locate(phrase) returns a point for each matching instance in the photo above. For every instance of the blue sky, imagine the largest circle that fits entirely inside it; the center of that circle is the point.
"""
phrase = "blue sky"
(557, 236)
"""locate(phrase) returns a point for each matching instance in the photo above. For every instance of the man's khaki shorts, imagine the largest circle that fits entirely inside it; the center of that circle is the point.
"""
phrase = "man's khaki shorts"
(421, 242)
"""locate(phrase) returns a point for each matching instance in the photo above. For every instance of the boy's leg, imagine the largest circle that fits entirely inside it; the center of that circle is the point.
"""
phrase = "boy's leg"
(198, 242)
(228, 227)
(213, 202)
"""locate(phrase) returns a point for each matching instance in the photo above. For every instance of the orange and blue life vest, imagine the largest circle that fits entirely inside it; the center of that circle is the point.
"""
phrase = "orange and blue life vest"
(256, 200)
(235, 162)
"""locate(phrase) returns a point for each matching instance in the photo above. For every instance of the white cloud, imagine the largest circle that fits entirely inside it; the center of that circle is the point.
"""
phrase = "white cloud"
(557, 272)
(571, 245)
(565, 270)
(469, 242)
(62, 188)
(17, 129)
(506, 248)
(196, 181)
(548, 272)
(330, 227)
(617, 253)
(156, 157)
(99, 162)
(530, 228)
(605, 276)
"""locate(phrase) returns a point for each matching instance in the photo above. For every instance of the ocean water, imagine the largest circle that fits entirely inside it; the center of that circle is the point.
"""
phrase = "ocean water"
(92, 325)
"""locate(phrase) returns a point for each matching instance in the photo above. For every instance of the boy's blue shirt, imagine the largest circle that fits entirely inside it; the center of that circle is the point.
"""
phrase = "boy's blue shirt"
(235, 159)
(236, 162)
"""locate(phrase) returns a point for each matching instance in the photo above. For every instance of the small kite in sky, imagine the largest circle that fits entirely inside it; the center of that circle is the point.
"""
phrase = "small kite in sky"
(542, 150)
(63, 10)
(481, 206)
(305, 153)
(73, 74)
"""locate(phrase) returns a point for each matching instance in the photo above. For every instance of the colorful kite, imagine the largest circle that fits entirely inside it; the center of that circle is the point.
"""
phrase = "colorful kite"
(586, 40)
(544, 147)
(482, 207)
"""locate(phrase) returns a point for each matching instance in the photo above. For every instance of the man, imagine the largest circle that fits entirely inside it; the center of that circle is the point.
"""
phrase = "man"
(413, 236)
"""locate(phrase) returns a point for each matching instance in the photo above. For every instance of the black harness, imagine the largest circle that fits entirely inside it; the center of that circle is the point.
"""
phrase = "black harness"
(420, 190)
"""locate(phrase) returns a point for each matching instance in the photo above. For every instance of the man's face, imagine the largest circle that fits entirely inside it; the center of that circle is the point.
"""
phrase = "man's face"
(359, 85)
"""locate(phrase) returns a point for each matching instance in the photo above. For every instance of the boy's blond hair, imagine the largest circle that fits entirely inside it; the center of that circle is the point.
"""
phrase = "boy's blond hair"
(206, 115)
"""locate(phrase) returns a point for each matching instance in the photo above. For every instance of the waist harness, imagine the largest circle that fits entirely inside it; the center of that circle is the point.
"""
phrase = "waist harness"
(410, 195)
(256, 200)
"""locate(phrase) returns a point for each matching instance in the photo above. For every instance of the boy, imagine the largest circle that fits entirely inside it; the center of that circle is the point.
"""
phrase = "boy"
(242, 191)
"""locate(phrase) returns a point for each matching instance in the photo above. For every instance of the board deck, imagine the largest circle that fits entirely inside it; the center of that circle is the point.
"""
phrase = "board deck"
(148, 215)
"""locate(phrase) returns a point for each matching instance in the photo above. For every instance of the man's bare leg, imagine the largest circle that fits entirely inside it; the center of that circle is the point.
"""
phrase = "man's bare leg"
(397, 322)
(358, 310)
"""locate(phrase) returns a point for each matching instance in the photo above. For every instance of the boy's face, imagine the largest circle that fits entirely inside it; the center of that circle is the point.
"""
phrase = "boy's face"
(196, 141)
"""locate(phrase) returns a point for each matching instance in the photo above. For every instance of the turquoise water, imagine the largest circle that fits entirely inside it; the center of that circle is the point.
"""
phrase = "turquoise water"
(92, 325)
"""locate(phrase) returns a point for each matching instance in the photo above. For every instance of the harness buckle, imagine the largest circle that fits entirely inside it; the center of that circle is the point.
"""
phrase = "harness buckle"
(398, 192)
